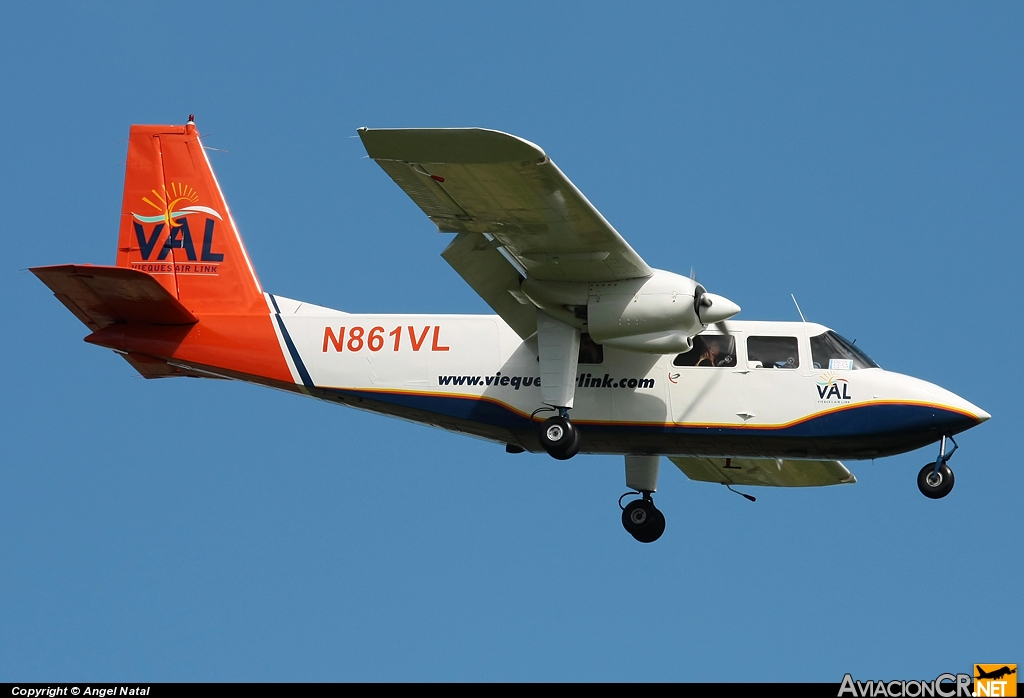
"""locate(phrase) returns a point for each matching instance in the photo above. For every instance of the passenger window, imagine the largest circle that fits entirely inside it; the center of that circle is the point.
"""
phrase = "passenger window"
(772, 352)
(590, 351)
(709, 350)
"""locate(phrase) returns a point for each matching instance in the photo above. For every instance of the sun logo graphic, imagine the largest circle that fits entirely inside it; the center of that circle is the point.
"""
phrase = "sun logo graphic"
(173, 205)
(832, 388)
(170, 200)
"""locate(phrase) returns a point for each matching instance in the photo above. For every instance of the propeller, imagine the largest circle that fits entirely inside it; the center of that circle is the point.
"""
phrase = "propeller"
(712, 308)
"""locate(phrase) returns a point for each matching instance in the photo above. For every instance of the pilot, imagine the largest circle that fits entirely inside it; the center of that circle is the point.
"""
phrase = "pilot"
(710, 355)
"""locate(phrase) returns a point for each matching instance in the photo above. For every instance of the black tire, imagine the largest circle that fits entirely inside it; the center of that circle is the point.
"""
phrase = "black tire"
(559, 438)
(937, 486)
(657, 527)
(643, 521)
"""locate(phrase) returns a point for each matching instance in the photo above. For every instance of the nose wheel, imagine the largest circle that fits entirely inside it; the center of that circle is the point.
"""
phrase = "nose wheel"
(642, 519)
(560, 438)
(936, 479)
(935, 484)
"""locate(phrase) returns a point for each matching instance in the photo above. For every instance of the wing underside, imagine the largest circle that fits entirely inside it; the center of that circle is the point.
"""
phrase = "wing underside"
(770, 472)
(506, 192)
(494, 278)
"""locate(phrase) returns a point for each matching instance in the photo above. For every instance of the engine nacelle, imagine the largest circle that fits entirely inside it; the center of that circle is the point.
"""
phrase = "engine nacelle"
(662, 302)
(670, 342)
(658, 314)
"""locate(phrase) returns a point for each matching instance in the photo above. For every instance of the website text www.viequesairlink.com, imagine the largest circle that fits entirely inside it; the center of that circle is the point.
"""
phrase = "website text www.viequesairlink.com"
(585, 380)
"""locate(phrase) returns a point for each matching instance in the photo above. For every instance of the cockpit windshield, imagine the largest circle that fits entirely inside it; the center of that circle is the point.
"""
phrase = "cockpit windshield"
(834, 352)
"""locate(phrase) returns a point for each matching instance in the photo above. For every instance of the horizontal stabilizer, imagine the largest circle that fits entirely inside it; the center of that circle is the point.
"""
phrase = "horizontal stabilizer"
(101, 296)
(769, 472)
(148, 367)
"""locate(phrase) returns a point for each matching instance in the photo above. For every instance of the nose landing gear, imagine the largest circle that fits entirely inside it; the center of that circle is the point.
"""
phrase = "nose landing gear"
(642, 519)
(936, 479)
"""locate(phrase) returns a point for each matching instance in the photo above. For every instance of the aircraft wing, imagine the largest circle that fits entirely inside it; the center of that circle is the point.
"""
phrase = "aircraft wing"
(497, 281)
(505, 192)
(771, 472)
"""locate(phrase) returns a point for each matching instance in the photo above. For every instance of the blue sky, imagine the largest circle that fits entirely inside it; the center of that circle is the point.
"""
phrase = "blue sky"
(866, 157)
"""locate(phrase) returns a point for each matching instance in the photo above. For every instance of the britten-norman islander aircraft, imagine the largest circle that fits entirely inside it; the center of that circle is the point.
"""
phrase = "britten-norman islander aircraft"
(591, 350)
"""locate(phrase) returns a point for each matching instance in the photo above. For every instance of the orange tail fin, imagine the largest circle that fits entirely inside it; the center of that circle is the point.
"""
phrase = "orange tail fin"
(175, 224)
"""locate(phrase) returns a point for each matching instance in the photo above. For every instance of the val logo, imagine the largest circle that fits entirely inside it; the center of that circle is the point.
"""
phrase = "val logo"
(174, 205)
(832, 389)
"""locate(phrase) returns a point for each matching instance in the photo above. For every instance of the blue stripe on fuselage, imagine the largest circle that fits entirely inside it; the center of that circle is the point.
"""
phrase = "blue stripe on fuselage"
(296, 359)
(859, 420)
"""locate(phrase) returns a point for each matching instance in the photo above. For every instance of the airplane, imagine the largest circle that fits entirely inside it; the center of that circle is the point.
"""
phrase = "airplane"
(995, 674)
(590, 350)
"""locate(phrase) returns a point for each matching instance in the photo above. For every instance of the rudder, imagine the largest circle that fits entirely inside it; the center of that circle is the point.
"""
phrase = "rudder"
(175, 224)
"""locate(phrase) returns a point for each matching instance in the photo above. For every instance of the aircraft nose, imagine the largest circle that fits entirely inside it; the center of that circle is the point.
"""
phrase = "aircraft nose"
(950, 413)
(966, 407)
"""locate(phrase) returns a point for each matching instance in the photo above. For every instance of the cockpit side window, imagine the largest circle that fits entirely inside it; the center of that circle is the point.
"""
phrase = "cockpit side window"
(835, 353)
(772, 352)
(709, 350)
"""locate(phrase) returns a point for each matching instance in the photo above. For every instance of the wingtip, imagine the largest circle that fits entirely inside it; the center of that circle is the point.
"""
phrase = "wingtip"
(449, 145)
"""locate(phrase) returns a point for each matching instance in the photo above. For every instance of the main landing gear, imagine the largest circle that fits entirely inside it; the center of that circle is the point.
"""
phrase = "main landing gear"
(558, 350)
(560, 437)
(642, 519)
(936, 479)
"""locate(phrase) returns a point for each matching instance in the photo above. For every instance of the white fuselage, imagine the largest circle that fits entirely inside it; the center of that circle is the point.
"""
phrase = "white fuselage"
(474, 374)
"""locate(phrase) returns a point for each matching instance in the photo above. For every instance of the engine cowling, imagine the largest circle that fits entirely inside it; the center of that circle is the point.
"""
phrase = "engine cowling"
(658, 314)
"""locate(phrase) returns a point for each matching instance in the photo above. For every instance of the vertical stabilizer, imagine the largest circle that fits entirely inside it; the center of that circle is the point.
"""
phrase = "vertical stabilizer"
(176, 226)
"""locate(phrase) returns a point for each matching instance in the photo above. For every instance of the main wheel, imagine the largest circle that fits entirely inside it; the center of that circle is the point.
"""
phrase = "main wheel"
(559, 438)
(935, 485)
(643, 521)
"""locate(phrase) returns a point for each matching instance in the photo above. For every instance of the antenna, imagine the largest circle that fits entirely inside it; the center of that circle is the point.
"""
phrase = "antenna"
(798, 307)
(742, 494)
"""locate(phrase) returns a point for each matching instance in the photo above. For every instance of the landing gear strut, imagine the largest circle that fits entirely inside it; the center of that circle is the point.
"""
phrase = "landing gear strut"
(558, 350)
(642, 519)
(936, 479)
(559, 437)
